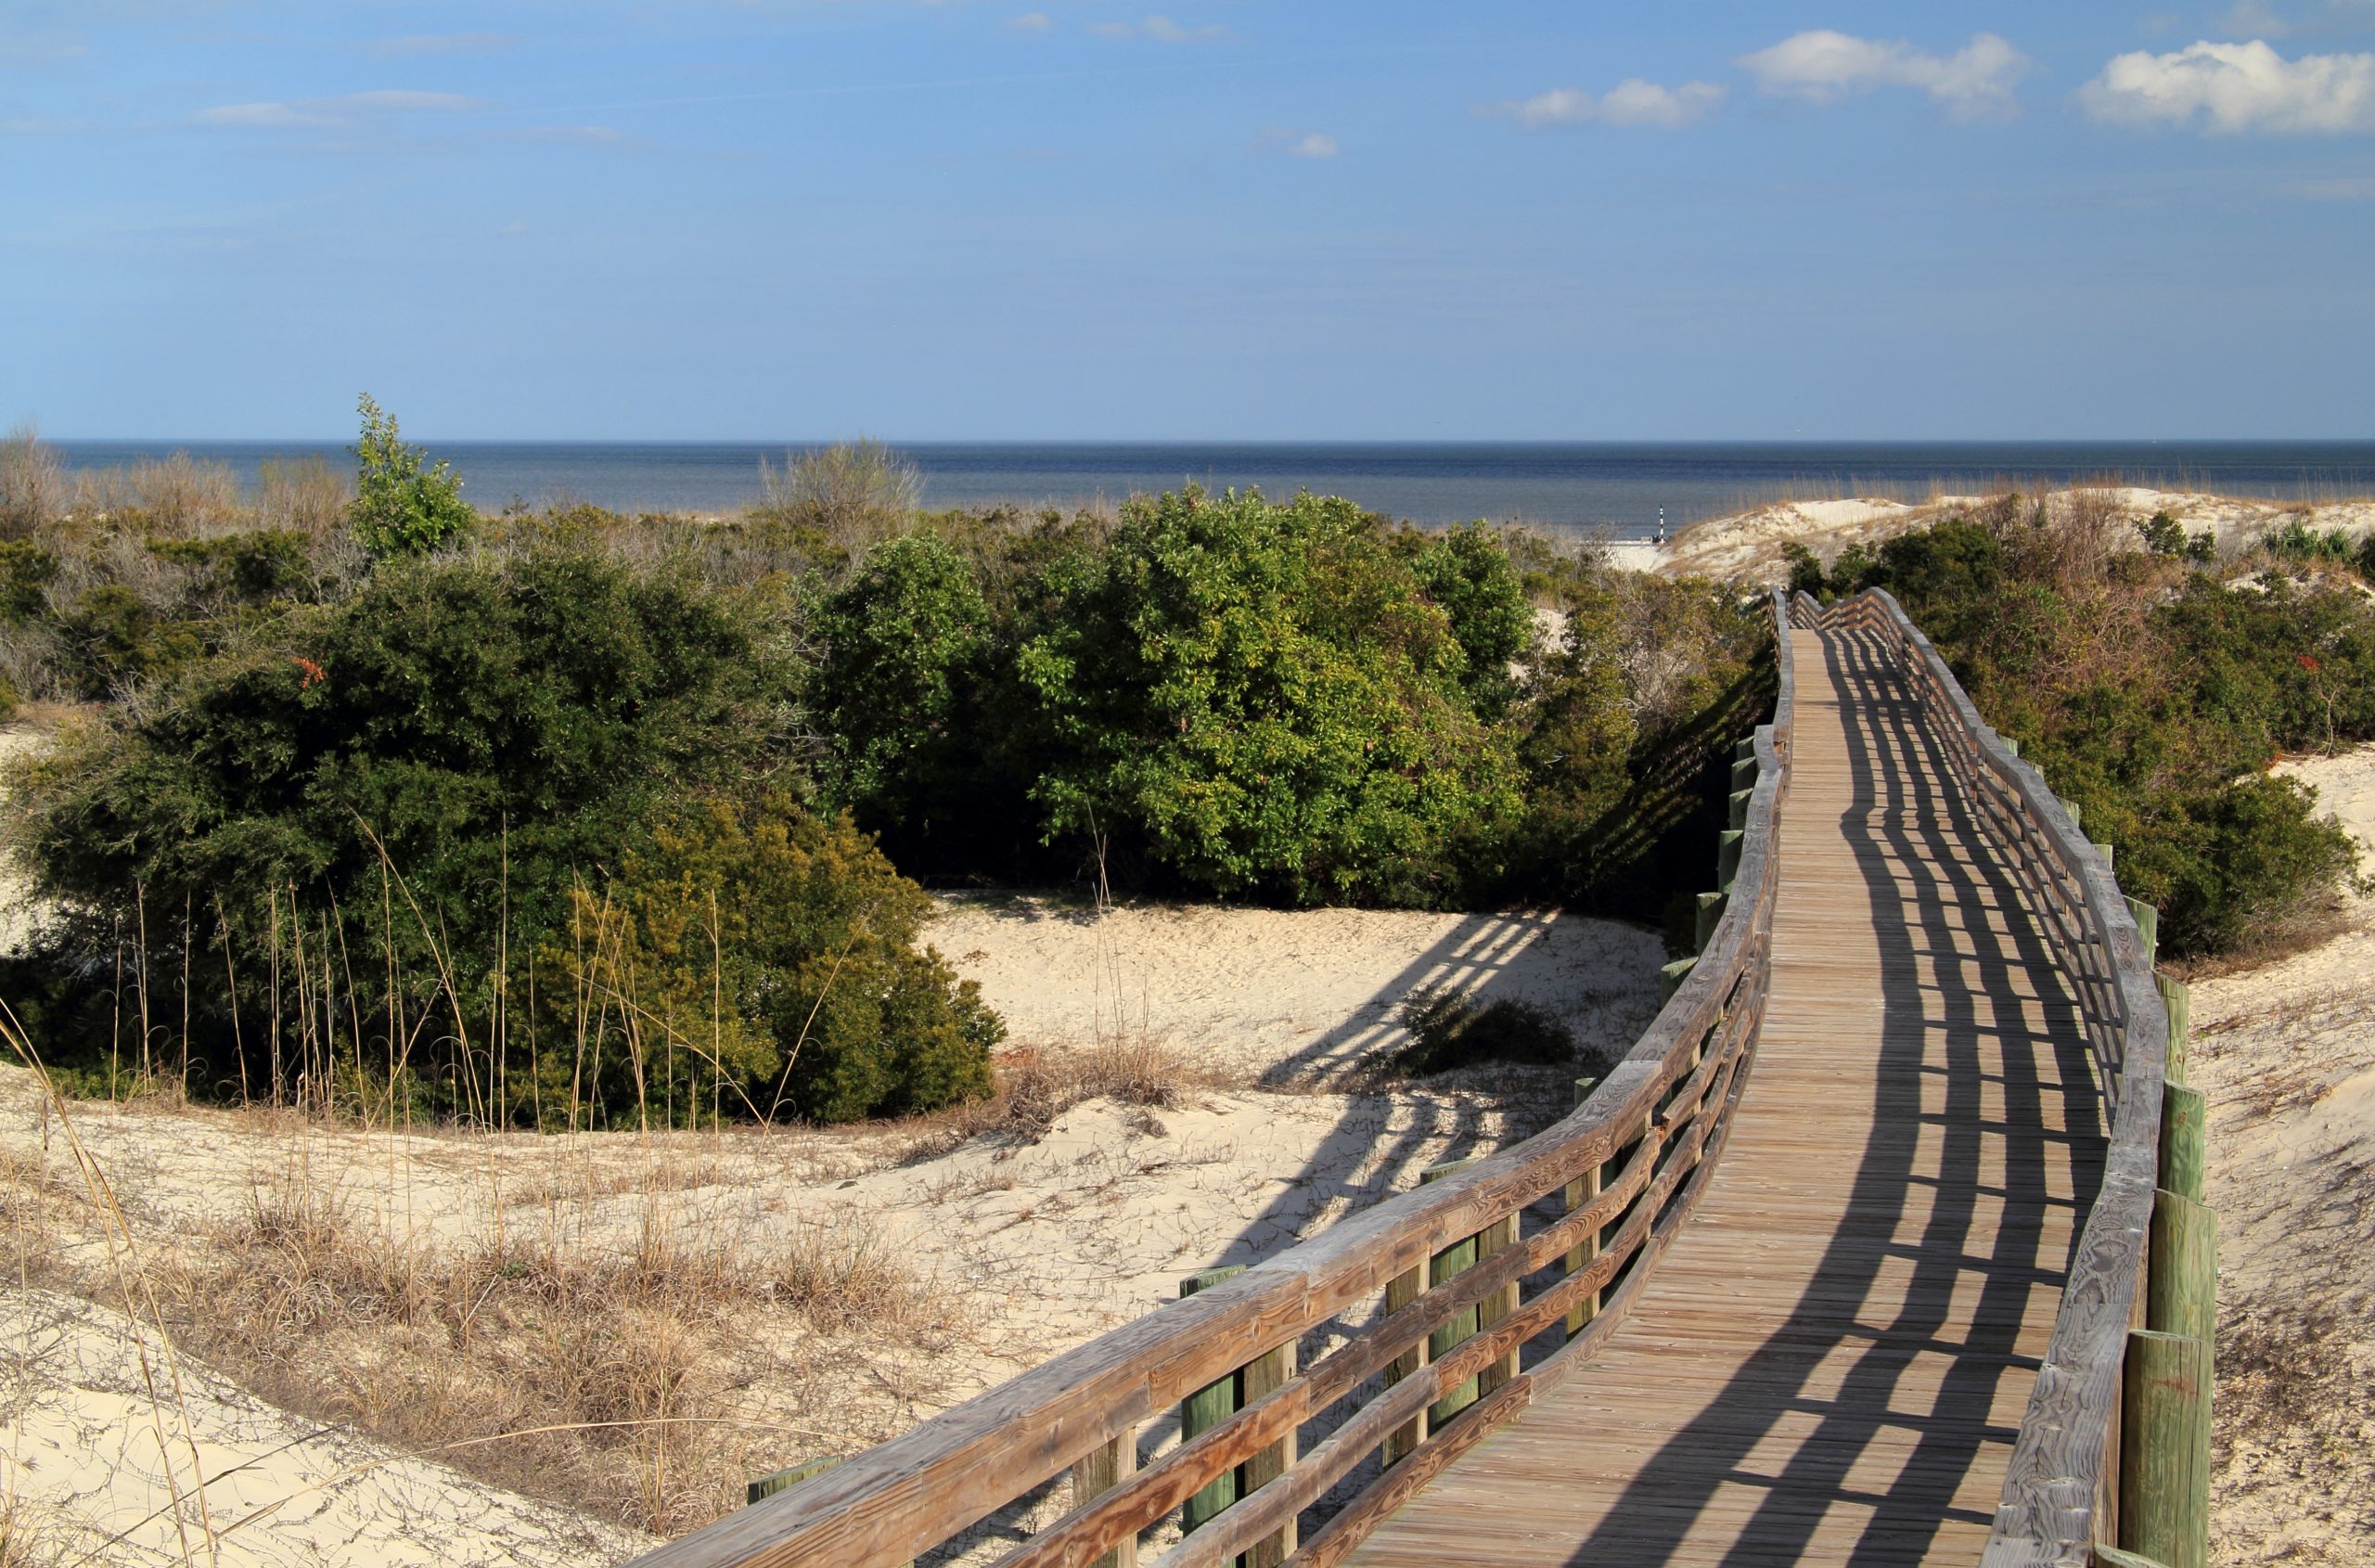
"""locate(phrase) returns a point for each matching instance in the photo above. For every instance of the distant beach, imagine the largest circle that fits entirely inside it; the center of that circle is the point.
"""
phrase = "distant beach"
(1604, 487)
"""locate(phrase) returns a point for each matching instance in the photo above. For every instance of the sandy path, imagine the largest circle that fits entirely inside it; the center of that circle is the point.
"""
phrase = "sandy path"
(2286, 1054)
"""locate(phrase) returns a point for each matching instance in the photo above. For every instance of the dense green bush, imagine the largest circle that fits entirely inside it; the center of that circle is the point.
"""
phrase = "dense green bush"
(904, 648)
(2155, 696)
(1267, 699)
(403, 506)
(773, 963)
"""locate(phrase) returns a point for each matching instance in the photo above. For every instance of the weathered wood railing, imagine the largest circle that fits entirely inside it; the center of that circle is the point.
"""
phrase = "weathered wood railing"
(1486, 1302)
(2072, 1463)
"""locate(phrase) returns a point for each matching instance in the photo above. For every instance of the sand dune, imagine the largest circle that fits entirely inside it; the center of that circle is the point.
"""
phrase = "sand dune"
(2286, 1055)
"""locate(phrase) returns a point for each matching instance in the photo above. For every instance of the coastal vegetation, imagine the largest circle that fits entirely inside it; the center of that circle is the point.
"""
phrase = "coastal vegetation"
(566, 817)
(2155, 686)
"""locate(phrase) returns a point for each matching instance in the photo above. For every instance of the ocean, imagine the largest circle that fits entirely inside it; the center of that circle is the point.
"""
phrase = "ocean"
(1617, 488)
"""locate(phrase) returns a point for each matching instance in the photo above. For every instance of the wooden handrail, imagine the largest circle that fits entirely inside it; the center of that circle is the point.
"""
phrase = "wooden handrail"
(2060, 1491)
(1641, 1146)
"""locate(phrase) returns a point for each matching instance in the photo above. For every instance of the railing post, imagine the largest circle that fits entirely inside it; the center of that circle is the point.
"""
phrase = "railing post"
(2165, 1443)
(2184, 1129)
(1581, 1191)
(1101, 1473)
(785, 1480)
(1441, 1270)
(2179, 1003)
(1207, 1407)
(1270, 1370)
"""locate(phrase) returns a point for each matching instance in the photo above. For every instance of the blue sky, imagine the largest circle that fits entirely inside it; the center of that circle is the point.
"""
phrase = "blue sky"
(1193, 219)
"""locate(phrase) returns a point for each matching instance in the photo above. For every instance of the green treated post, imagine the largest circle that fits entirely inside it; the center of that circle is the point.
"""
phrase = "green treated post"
(2179, 1001)
(1207, 1407)
(1739, 807)
(2164, 1449)
(1711, 913)
(1580, 1192)
(1447, 1263)
(2072, 807)
(2148, 927)
(2111, 1557)
(2109, 855)
(1670, 978)
(1744, 774)
(2010, 744)
(1727, 859)
(785, 1480)
(1744, 748)
(2181, 1283)
(2184, 1140)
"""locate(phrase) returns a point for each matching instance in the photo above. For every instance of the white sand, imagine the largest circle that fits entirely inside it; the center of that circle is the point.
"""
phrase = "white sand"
(2286, 1054)
(106, 1427)
(1281, 997)
(1748, 545)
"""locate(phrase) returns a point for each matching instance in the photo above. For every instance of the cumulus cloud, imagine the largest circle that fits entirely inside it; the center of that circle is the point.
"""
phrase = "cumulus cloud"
(316, 112)
(1162, 30)
(2237, 87)
(1822, 66)
(1318, 144)
(1031, 21)
(1630, 102)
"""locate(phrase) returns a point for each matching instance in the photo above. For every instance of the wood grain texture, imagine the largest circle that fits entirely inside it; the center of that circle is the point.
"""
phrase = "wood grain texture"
(1833, 1358)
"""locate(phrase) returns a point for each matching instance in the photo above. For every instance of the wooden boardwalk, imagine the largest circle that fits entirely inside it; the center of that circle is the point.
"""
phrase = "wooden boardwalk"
(1832, 1360)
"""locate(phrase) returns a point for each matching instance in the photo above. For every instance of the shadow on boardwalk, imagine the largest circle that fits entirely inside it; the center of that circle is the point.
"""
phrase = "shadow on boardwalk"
(1879, 1299)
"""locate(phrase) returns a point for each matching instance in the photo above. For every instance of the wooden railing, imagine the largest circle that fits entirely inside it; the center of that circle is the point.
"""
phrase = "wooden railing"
(2072, 1463)
(1491, 1286)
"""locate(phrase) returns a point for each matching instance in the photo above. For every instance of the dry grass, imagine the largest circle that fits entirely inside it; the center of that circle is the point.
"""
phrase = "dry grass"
(636, 1350)
(1034, 1087)
(627, 1337)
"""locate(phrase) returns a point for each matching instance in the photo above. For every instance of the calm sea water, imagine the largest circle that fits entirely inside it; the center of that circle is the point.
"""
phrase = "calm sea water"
(1615, 486)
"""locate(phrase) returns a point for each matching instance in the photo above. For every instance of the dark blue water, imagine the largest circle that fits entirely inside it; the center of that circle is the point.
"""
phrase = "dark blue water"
(1618, 486)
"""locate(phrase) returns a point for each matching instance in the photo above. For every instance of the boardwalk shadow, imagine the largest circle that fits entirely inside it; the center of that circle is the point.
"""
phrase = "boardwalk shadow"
(1938, 1253)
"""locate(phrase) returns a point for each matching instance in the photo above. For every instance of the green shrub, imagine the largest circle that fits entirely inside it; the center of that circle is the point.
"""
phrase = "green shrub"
(498, 731)
(1469, 575)
(1265, 699)
(774, 950)
(26, 568)
(401, 506)
(904, 644)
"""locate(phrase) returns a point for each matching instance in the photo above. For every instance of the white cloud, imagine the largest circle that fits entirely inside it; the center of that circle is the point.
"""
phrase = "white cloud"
(1162, 30)
(2237, 87)
(314, 112)
(1822, 66)
(1031, 21)
(1630, 102)
(2352, 189)
(440, 44)
(1319, 144)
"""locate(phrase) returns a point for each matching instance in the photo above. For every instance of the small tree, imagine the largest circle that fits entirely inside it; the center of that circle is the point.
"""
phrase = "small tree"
(401, 506)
